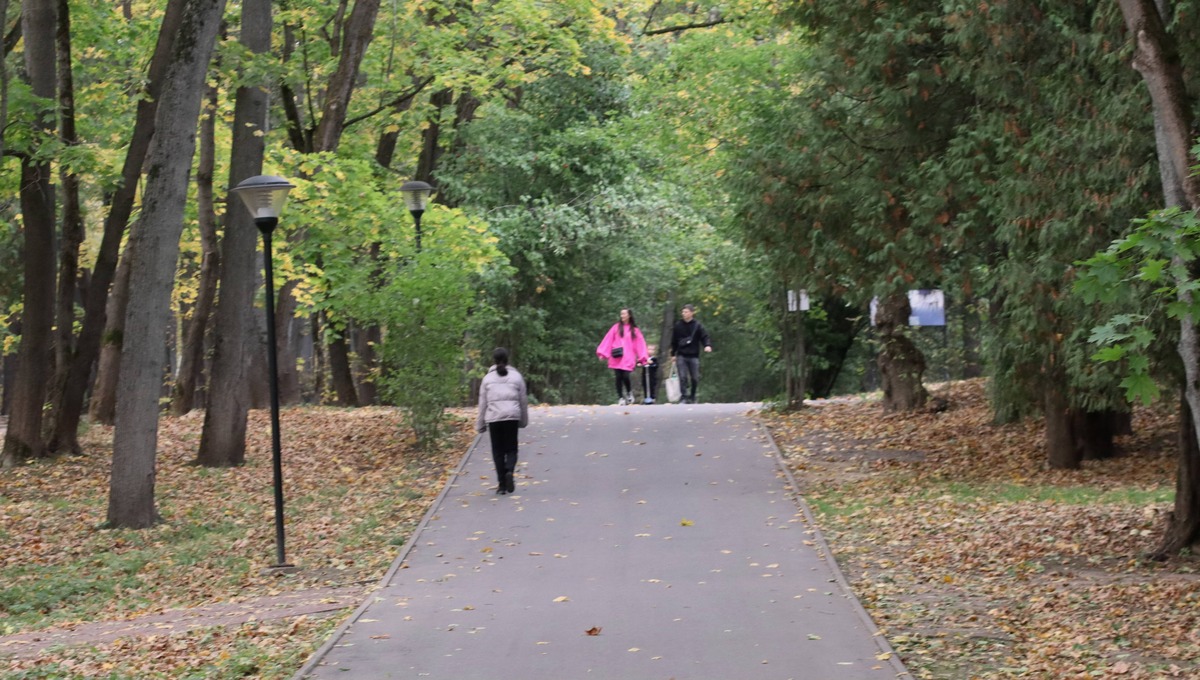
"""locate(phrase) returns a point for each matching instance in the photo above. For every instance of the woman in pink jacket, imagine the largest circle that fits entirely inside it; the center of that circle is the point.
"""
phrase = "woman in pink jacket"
(624, 348)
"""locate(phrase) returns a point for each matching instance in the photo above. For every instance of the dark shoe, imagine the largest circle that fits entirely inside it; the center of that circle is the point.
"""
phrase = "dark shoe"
(501, 490)
(509, 485)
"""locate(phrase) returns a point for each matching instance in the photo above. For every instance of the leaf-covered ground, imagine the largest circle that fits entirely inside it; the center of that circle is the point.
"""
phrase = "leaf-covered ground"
(980, 562)
(355, 488)
(976, 560)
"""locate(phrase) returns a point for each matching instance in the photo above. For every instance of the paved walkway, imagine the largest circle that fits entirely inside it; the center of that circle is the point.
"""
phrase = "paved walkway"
(643, 543)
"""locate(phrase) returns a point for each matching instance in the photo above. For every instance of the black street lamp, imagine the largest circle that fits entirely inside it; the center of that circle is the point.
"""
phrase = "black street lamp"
(416, 196)
(264, 196)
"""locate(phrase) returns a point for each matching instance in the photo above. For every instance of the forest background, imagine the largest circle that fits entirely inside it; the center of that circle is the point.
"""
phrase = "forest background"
(1032, 160)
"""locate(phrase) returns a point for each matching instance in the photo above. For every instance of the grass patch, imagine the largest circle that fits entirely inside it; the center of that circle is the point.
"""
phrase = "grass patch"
(45, 595)
(1067, 495)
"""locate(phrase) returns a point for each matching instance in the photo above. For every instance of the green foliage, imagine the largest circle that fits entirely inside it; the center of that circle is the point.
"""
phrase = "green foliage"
(424, 308)
(1040, 195)
(1146, 271)
(902, 149)
(585, 225)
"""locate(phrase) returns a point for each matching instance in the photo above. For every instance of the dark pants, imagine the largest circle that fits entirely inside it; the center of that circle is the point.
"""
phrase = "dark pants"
(504, 445)
(689, 374)
(624, 383)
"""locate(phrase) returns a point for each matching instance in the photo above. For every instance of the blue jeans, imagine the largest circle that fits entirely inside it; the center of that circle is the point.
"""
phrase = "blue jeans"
(689, 374)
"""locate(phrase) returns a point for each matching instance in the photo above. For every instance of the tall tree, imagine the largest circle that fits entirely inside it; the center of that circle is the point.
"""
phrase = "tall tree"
(1157, 59)
(1039, 204)
(24, 437)
(829, 168)
(183, 393)
(223, 440)
(72, 219)
(103, 406)
(349, 43)
(154, 247)
(69, 408)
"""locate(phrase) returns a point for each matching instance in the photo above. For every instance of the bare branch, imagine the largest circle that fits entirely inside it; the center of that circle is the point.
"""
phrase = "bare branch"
(688, 27)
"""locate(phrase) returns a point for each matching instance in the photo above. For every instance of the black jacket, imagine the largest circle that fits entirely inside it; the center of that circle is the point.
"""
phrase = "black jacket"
(685, 330)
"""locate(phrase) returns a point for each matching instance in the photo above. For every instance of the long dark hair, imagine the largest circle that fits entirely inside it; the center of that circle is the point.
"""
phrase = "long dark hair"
(500, 358)
(632, 323)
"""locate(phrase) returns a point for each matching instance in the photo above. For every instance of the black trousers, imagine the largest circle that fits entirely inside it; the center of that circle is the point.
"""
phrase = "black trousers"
(624, 383)
(504, 445)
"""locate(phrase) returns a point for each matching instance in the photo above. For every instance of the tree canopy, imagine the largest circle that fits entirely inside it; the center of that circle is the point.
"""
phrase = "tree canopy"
(590, 157)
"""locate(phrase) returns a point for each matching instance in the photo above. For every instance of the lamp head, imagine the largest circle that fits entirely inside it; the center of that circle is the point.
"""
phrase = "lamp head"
(416, 195)
(264, 195)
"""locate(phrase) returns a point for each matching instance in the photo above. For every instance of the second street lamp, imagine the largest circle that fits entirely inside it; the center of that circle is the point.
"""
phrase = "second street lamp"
(264, 196)
(416, 196)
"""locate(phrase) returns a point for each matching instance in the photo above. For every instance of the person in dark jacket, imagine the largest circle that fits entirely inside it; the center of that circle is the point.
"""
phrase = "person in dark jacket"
(687, 339)
(503, 408)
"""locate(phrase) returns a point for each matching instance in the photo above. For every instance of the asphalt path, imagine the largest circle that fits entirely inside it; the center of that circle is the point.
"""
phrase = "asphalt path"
(643, 543)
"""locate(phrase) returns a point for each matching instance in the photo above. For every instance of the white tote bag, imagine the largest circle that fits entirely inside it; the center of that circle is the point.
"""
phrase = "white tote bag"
(673, 390)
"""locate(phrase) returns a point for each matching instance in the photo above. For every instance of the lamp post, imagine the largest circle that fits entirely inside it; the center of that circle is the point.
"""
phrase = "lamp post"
(264, 196)
(416, 196)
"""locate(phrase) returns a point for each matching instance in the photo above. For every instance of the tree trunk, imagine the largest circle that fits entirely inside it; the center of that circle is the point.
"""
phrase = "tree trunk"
(285, 316)
(795, 357)
(8, 378)
(235, 333)
(72, 222)
(339, 369)
(972, 366)
(431, 147)
(24, 437)
(901, 364)
(96, 302)
(153, 251)
(318, 363)
(192, 354)
(1156, 57)
(104, 396)
(844, 325)
(365, 342)
(1183, 522)
(358, 32)
(1061, 451)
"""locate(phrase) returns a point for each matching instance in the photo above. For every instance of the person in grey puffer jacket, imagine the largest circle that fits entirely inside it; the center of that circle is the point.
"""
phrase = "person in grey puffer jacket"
(503, 408)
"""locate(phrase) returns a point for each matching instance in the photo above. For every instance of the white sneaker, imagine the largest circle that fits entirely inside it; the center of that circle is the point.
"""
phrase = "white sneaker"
(621, 401)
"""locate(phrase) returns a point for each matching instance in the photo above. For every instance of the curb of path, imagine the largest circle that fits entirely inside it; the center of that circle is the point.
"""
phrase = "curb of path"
(827, 554)
(336, 635)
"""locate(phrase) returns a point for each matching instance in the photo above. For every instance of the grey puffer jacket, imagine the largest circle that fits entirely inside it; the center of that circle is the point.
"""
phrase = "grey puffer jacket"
(502, 397)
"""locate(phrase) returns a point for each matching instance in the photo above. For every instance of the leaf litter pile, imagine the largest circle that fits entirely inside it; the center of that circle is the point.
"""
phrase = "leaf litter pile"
(978, 561)
(355, 487)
